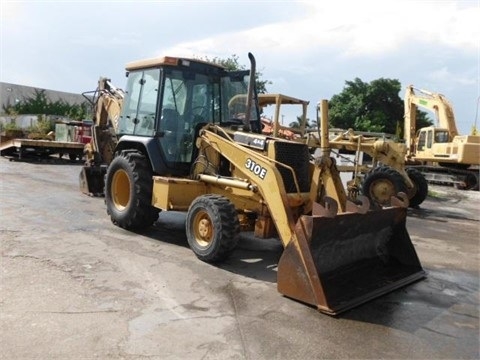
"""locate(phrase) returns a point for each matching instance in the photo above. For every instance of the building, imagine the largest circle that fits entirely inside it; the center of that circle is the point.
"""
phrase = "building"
(13, 93)
(10, 94)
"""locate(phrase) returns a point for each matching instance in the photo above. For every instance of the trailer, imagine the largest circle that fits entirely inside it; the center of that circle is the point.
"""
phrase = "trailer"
(22, 149)
(69, 139)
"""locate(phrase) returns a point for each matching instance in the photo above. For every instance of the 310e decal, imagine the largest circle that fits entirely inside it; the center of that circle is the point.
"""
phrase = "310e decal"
(255, 168)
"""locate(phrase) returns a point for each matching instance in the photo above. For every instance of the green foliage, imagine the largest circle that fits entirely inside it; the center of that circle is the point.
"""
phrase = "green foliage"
(232, 64)
(42, 126)
(39, 104)
(374, 106)
(9, 126)
(308, 125)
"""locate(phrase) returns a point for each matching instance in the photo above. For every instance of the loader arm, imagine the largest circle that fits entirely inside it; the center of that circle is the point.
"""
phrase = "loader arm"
(387, 152)
(336, 255)
(261, 172)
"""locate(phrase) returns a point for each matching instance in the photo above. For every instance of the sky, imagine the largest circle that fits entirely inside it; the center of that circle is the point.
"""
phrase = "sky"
(306, 49)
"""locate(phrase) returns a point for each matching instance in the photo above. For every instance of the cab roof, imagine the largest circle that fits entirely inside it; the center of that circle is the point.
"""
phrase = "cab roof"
(167, 61)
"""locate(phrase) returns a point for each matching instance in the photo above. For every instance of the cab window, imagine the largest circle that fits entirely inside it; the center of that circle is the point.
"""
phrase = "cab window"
(421, 140)
(429, 139)
(140, 108)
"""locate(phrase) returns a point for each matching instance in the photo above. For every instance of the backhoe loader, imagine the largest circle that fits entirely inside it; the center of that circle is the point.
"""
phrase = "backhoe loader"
(187, 144)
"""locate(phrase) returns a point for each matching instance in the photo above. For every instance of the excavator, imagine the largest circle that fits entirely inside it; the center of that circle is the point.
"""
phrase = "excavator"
(107, 101)
(387, 174)
(439, 152)
(187, 142)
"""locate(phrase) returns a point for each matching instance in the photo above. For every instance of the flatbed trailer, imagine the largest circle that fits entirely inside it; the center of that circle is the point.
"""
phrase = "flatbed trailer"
(23, 148)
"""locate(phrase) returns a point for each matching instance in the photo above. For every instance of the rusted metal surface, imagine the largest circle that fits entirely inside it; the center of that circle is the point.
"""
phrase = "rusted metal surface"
(357, 257)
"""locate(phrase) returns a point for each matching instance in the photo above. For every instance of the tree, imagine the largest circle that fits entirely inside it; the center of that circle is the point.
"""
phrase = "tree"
(308, 124)
(39, 104)
(374, 106)
(232, 64)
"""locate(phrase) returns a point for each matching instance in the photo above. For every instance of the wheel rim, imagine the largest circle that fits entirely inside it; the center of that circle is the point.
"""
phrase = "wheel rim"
(382, 190)
(120, 189)
(202, 229)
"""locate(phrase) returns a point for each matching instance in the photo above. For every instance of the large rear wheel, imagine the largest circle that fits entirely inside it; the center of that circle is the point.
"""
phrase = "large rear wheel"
(382, 183)
(128, 191)
(420, 187)
(212, 228)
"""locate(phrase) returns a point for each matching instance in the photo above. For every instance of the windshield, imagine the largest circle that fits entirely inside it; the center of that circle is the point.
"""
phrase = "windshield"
(235, 96)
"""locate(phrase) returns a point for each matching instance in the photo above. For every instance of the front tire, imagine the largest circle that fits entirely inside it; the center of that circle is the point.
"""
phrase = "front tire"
(128, 191)
(212, 228)
(382, 183)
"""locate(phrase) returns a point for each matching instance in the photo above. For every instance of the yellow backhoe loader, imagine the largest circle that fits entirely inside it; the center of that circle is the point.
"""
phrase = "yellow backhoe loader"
(187, 144)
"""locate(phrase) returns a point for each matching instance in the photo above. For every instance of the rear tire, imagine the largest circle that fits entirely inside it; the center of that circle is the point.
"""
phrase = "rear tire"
(128, 191)
(382, 183)
(420, 191)
(212, 228)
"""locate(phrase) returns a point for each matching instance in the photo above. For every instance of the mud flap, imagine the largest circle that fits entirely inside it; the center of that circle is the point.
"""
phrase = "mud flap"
(92, 180)
(342, 261)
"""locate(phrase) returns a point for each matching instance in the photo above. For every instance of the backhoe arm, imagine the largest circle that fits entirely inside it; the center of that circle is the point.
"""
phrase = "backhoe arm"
(108, 103)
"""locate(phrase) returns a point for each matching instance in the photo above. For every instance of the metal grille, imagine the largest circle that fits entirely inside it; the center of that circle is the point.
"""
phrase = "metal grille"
(297, 157)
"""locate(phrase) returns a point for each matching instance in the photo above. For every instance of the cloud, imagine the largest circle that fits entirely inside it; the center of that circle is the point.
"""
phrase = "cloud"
(444, 75)
(368, 28)
(305, 48)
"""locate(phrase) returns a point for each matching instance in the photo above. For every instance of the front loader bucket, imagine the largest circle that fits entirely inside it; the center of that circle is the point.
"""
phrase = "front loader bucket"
(343, 261)
(92, 180)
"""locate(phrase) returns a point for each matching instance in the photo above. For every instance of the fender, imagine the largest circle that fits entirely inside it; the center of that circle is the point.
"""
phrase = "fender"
(147, 145)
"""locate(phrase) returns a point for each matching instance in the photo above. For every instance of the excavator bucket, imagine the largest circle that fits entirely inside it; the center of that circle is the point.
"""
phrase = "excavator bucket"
(92, 180)
(341, 261)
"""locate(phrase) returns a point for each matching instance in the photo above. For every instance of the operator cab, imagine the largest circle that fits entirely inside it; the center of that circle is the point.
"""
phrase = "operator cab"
(169, 99)
(428, 136)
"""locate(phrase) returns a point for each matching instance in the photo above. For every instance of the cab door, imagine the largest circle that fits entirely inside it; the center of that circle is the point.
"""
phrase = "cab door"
(139, 114)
